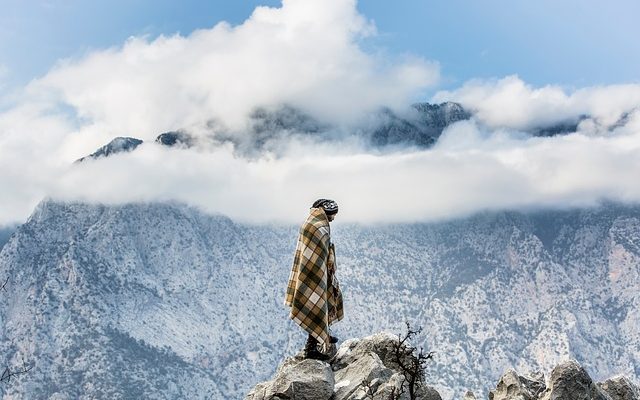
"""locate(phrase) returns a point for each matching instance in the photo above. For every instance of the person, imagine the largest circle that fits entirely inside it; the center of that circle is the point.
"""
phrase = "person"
(313, 292)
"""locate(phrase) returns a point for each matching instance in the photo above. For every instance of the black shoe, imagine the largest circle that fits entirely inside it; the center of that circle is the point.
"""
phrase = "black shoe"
(316, 355)
(333, 339)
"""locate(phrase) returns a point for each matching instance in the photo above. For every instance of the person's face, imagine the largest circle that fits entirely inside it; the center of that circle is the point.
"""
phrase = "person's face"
(331, 217)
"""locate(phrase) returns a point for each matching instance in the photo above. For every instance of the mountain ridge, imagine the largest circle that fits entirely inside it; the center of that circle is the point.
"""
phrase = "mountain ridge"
(206, 291)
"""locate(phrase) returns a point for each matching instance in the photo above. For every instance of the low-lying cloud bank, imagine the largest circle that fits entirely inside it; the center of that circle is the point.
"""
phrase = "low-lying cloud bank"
(468, 171)
(307, 54)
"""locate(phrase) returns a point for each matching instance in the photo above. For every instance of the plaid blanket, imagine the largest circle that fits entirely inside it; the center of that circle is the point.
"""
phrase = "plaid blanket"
(313, 292)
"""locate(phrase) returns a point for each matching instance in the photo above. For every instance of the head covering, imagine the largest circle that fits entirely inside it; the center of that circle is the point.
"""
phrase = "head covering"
(330, 207)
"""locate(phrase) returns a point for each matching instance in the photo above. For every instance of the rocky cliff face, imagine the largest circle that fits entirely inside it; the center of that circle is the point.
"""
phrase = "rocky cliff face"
(163, 301)
(568, 381)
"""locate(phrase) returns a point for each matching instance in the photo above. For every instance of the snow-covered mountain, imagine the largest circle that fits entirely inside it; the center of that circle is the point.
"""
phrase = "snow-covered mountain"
(163, 301)
(118, 145)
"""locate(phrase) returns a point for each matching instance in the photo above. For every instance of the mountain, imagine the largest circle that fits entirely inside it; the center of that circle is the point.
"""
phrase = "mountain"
(117, 145)
(163, 301)
(421, 126)
(175, 138)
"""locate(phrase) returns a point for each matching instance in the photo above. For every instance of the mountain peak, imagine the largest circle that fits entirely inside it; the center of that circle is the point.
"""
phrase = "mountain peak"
(118, 145)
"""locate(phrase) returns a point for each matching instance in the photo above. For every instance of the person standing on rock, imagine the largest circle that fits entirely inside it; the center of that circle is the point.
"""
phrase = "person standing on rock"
(313, 292)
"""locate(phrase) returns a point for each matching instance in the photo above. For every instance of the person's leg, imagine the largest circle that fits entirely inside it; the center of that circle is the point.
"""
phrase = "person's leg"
(311, 350)
(312, 344)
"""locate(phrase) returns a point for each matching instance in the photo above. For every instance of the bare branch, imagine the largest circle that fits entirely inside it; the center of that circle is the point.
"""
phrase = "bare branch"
(8, 373)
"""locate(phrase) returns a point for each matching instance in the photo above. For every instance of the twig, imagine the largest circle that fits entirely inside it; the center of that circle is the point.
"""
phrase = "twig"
(7, 373)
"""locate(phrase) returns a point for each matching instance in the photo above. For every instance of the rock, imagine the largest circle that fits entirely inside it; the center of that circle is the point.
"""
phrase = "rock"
(381, 344)
(620, 388)
(469, 396)
(361, 369)
(429, 393)
(297, 379)
(512, 386)
(569, 381)
(368, 368)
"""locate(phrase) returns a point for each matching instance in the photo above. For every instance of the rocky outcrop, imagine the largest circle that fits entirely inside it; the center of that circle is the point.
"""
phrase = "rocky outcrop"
(514, 386)
(367, 368)
(568, 381)
(297, 378)
(370, 368)
(620, 388)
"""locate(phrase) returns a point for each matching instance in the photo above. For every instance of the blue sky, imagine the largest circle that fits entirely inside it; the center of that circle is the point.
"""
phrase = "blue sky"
(572, 43)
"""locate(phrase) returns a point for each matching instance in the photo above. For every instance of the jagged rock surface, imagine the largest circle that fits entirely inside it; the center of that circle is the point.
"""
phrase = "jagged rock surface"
(620, 388)
(297, 378)
(513, 386)
(356, 372)
(568, 381)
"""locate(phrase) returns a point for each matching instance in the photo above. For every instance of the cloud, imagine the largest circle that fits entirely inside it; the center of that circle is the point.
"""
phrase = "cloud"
(511, 103)
(307, 54)
(468, 171)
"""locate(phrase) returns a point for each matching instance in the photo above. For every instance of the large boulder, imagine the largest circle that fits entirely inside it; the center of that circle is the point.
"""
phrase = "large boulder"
(367, 370)
(569, 381)
(382, 344)
(512, 386)
(620, 388)
(297, 378)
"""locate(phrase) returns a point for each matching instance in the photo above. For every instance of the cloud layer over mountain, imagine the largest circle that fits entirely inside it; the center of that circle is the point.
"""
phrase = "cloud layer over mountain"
(308, 54)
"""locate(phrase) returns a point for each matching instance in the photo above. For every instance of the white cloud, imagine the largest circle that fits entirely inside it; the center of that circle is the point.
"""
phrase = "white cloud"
(511, 103)
(492, 171)
(306, 54)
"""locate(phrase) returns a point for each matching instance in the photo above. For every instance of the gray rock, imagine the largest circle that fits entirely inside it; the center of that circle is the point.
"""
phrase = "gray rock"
(394, 386)
(469, 396)
(381, 344)
(361, 369)
(512, 386)
(620, 388)
(297, 379)
(569, 381)
(427, 392)
(368, 368)
(373, 359)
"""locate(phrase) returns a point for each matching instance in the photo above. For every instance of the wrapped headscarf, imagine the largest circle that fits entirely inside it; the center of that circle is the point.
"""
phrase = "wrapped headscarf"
(330, 207)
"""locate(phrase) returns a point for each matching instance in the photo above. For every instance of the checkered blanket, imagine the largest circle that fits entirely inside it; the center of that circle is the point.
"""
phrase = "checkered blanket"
(313, 292)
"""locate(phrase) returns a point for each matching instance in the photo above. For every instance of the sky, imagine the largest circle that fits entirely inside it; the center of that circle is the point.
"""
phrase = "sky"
(74, 75)
(573, 43)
